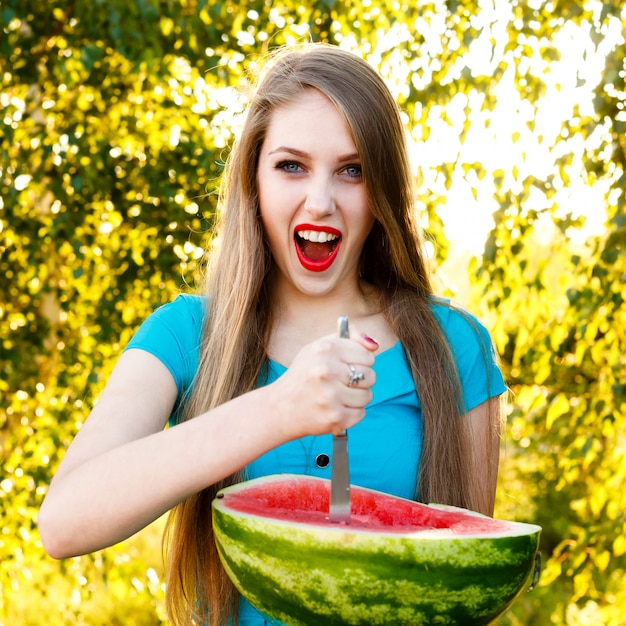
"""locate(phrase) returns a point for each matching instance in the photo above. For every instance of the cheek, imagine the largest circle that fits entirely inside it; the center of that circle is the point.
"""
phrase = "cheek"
(366, 229)
(273, 229)
(270, 193)
(277, 205)
(364, 215)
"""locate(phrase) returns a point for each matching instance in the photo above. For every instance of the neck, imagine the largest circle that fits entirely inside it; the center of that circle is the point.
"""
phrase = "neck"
(321, 311)
(298, 319)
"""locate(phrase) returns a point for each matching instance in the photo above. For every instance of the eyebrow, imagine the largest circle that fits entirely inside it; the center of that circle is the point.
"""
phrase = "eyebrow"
(300, 153)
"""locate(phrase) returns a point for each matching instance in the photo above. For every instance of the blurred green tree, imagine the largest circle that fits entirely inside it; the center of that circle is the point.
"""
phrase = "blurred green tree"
(115, 119)
(560, 325)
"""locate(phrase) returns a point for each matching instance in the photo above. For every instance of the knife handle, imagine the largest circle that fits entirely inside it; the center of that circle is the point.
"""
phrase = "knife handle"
(342, 327)
(343, 331)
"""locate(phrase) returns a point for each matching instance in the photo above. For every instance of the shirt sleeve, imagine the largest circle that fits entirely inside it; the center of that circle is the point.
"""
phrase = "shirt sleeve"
(474, 355)
(172, 333)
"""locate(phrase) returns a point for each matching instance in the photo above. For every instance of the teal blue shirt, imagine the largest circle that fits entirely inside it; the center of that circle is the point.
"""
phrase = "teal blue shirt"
(385, 447)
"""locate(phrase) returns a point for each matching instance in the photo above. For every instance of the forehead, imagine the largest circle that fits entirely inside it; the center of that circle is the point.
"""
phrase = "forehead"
(309, 117)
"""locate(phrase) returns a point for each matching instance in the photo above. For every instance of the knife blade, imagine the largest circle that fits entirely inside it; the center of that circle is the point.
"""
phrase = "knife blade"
(340, 469)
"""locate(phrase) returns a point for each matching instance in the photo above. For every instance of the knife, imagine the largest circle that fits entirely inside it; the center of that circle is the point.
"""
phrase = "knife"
(340, 470)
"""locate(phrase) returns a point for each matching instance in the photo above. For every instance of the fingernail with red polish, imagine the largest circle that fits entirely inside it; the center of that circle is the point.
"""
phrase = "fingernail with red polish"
(370, 340)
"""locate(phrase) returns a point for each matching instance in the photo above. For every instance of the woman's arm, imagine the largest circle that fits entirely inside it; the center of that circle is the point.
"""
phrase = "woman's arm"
(123, 470)
(484, 432)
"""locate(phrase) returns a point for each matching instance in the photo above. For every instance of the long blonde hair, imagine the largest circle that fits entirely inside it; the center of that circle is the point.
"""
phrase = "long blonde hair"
(239, 313)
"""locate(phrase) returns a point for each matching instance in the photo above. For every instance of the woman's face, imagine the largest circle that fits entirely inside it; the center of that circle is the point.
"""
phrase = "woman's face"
(312, 197)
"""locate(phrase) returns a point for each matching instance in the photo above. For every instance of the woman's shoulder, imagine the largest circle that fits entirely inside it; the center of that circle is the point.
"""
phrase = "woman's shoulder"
(185, 305)
(183, 318)
(467, 336)
(173, 334)
(184, 315)
(455, 320)
(473, 351)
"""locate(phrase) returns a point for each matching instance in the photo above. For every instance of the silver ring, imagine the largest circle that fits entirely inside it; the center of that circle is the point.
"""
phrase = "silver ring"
(355, 376)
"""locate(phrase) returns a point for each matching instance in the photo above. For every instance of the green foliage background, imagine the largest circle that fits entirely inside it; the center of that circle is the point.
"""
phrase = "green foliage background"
(114, 119)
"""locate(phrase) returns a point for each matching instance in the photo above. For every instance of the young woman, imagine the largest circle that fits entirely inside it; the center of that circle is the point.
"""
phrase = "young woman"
(318, 221)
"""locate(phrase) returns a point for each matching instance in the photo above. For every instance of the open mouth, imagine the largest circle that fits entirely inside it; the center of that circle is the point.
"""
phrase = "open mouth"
(317, 248)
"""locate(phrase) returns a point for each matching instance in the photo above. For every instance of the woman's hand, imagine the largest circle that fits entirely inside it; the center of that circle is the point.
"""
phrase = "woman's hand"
(327, 386)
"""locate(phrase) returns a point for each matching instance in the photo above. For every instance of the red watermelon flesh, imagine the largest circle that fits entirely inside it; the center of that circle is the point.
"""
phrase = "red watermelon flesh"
(308, 502)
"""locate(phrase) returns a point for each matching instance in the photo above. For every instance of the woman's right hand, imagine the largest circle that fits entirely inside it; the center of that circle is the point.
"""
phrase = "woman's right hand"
(315, 396)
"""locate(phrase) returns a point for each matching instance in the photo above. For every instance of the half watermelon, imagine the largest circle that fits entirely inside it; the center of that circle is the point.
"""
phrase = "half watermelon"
(397, 563)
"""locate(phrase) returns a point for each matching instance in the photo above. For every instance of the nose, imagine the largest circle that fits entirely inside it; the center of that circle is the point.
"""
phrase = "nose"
(320, 199)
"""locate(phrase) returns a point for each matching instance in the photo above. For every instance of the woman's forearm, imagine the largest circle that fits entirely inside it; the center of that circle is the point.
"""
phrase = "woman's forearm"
(109, 496)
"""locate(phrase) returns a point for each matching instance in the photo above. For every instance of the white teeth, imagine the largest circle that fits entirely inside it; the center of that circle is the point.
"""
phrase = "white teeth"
(317, 236)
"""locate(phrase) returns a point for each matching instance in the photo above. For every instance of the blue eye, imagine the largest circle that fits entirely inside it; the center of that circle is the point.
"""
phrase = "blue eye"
(288, 166)
(354, 171)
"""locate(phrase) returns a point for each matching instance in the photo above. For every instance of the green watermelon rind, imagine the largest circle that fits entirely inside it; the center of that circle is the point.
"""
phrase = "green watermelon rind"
(305, 574)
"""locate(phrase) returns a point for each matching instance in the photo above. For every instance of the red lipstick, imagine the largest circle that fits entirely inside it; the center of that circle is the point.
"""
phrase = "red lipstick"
(316, 265)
